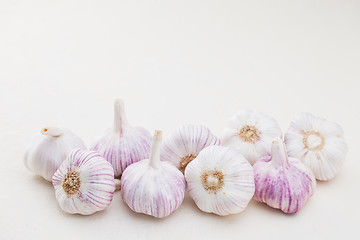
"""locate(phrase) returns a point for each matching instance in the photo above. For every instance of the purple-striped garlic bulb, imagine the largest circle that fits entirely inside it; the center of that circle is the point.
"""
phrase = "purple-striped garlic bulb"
(84, 183)
(283, 182)
(49, 149)
(185, 143)
(319, 143)
(220, 180)
(251, 133)
(151, 186)
(123, 144)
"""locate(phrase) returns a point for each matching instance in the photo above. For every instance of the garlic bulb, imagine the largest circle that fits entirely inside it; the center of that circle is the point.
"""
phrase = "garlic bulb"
(220, 180)
(151, 186)
(49, 149)
(283, 182)
(251, 133)
(185, 143)
(123, 144)
(84, 183)
(319, 143)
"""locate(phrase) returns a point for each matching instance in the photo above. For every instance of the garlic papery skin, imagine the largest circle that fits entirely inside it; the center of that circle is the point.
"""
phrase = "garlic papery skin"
(251, 133)
(84, 183)
(185, 143)
(319, 143)
(283, 182)
(220, 180)
(49, 149)
(123, 144)
(151, 186)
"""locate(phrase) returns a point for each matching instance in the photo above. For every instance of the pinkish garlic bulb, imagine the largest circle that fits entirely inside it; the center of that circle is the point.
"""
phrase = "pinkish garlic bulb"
(123, 144)
(282, 182)
(84, 183)
(151, 186)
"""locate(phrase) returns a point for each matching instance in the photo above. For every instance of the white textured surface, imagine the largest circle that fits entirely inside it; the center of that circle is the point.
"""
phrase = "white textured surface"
(63, 63)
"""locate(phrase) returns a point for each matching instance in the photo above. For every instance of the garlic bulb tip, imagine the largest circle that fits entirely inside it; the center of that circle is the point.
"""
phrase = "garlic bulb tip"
(51, 131)
(155, 149)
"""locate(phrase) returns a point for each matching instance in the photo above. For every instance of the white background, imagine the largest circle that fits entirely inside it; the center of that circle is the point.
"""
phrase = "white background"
(62, 63)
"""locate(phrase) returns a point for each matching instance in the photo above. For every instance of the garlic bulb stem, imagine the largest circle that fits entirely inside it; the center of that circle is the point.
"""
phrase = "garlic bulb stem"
(52, 131)
(119, 116)
(278, 151)
(155, 149)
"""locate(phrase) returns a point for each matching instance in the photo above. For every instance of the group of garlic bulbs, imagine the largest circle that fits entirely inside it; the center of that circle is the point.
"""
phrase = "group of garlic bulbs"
(85, 181)
(285, 172)
(222, 177)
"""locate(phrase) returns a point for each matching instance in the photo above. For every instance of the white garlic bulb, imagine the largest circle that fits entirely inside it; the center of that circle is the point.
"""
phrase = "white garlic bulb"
(319, 143)
(220, 180)
(185, 143)
(123, 144)
(49, 149)
(283, 182)
(151, 186)
(84, 183)
(251, 133)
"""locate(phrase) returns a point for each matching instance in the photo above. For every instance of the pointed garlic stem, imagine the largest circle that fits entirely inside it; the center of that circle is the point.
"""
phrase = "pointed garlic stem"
(119, 116)
(278, 151)
(155, 149)
(52, 131)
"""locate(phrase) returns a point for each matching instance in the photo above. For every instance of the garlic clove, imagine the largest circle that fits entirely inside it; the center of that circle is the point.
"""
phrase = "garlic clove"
(283, 182)
(151, 186)
(49, 149)
(185, 143)
(319, 143)
(220, 180)
(84, 183)
(123, 144)
(251, 133)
